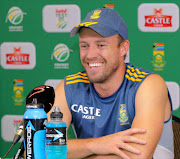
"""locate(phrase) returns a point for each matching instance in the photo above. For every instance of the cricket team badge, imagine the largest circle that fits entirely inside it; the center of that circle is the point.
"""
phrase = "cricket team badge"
(123, 115)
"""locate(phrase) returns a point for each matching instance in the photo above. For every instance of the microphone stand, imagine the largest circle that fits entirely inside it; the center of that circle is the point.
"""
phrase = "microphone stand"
(8, 151)
(20, 152)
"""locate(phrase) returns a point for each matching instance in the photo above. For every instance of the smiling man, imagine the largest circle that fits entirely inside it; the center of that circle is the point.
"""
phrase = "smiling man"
(117, 110)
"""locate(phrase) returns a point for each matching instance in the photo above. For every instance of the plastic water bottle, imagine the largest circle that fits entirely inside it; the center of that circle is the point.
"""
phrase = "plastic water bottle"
(56, 147)
(35, 120)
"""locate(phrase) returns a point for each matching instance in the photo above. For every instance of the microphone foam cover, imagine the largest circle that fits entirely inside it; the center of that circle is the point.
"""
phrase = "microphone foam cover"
(44, 95)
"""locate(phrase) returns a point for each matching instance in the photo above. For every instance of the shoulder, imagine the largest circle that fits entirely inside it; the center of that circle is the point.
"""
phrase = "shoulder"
(153, 90)
(78, 80)
(134, 76)
(154, 82)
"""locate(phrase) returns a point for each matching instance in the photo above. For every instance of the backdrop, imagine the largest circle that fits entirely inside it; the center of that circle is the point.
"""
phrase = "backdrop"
(36, 49)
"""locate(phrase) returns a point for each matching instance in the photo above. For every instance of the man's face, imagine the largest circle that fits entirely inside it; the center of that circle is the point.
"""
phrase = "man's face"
(100, 56)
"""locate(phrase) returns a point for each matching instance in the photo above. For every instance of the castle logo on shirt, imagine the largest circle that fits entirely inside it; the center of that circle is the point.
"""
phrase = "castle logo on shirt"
(123, 115)
(85, 111)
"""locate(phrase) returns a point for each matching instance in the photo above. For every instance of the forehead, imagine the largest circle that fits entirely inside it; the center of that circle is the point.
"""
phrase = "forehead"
(88, 33)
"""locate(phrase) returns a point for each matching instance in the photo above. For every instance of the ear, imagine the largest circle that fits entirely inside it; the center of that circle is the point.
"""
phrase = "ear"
(124, 47)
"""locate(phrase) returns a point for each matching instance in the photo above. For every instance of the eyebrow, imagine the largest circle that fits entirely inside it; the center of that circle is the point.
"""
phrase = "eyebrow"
(95, 41)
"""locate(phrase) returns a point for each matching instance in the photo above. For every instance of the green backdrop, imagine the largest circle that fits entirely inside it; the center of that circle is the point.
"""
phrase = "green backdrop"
(34, 32)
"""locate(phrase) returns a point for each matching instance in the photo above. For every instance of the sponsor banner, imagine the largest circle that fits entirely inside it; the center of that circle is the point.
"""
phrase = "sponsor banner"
(18, 55)
(18, 92)
(15, 16)
(9, 126)
(61, 54)
(173, 88)
(158, 17)
(53, 82)
(60, 18)
(110, 6)
(158, 57)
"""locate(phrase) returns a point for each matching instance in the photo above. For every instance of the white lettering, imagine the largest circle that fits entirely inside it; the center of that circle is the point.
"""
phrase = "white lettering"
(85, 110)
(97, 112)
(18, 58)
(88, 112)
(87, 117)
(29, 144)
(73, 107)
(80, 109)
(158, 20)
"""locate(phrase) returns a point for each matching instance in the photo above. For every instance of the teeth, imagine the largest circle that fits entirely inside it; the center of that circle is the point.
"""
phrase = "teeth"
(95, 64)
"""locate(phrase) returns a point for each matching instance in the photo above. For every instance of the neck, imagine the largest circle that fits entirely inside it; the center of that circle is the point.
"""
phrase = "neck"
(110, 86)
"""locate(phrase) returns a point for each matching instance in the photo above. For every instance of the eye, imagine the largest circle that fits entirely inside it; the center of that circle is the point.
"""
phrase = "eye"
(101, 45)
(83, 46)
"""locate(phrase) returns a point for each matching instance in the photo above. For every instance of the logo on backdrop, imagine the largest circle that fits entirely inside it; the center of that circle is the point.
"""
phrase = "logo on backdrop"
(61, 53)
(158, 57)
(158, 17)
(60, 18)
(15, 17)
(18, 92)
(18, 55)
(9, 126)
(110, 6)
(53, 82)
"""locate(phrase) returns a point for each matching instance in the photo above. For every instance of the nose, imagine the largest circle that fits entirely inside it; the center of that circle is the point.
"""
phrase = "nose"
(92, 52)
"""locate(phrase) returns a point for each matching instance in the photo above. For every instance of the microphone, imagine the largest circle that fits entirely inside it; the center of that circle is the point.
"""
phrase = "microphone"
(16, 138)
(44, 95)
(19, 133)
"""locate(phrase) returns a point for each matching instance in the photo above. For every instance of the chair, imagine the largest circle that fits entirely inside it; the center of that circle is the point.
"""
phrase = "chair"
(176, 131)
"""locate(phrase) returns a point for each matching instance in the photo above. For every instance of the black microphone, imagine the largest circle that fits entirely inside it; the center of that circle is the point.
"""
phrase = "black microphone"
(44, 95)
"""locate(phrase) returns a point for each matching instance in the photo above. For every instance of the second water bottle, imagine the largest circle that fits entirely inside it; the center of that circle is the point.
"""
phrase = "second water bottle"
(56, 147)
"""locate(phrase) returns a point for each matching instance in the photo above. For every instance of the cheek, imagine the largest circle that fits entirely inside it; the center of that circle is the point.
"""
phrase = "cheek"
(82, 55)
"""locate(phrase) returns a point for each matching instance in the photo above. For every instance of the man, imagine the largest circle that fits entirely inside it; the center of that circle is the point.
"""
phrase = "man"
(118, 110)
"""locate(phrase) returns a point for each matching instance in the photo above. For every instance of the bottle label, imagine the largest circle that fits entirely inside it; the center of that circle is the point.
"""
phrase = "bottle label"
(33, 127)
(56, 136)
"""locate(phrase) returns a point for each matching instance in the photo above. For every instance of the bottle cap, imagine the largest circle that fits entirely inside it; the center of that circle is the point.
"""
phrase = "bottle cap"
(56, 112)
(34, 104)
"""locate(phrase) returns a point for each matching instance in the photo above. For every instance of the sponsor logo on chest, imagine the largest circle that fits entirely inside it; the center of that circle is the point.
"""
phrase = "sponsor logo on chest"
(87, 112)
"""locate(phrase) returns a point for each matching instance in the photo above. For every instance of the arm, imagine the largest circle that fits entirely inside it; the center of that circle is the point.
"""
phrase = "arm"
(152, 108)
(60, 100)
(111, 144)
(106, 146)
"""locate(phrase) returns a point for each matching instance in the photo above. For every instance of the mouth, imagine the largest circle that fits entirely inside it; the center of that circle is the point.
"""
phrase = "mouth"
(94, 65)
